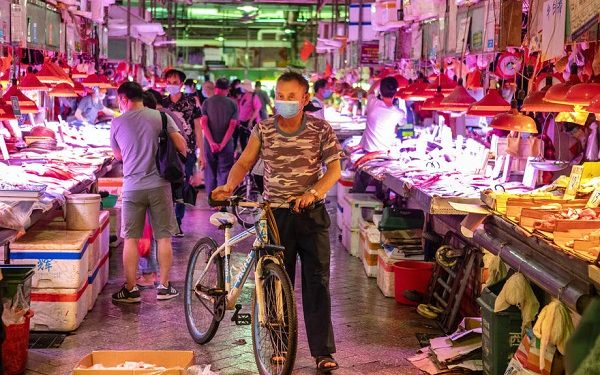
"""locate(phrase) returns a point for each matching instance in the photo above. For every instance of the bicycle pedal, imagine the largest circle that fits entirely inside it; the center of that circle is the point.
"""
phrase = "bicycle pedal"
(216, 292)
(243, 319)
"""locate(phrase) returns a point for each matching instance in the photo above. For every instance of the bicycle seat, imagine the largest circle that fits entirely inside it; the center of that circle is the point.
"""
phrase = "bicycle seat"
(219, 219)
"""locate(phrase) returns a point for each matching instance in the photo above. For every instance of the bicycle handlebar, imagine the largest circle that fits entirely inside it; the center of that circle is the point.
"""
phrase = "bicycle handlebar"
(240, 202)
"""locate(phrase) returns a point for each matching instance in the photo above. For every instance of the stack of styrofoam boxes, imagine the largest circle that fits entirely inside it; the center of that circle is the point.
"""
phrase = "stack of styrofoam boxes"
(385, 274)
(343, 187)
(60, 290)
(369, 246)
(98, 273)
(352, 215)
(113, 186)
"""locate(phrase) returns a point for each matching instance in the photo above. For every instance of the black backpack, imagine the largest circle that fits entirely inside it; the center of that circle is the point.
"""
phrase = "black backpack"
(168, 161)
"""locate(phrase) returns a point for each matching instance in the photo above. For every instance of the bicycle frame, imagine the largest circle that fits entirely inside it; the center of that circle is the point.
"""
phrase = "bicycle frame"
(234, 290)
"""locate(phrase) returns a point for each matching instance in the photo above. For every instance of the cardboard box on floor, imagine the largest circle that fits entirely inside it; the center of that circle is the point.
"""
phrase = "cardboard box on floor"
(175, 361)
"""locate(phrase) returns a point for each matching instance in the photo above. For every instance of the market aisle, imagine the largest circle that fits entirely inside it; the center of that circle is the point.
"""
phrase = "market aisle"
(374, 334)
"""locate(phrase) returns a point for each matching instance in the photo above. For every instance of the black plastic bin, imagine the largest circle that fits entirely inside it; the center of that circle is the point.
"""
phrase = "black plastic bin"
(501, 331)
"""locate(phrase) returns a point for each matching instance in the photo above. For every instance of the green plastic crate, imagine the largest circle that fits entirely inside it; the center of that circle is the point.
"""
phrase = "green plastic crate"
(12, 276)
(501, 331)
(394, 218)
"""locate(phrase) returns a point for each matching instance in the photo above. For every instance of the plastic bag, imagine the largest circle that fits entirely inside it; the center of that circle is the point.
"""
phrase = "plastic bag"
(15, 309)
(201, 370)
(146, 241)
(553, 327)
(15, 217)
(518, 292)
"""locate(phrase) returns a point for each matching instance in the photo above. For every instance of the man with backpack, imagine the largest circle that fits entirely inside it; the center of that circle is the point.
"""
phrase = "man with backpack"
(134, 138)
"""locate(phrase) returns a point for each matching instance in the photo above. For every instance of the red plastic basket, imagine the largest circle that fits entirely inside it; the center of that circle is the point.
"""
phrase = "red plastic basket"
(16, 346)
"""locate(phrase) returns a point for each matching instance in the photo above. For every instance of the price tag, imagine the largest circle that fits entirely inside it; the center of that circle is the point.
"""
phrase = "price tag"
(574, 182)
(422, 145)
(15, 106)
(594, 200)
(530, 177)
(3, 148)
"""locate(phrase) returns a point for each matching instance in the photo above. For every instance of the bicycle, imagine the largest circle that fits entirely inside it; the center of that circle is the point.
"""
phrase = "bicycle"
(250, 190)
(209, 291)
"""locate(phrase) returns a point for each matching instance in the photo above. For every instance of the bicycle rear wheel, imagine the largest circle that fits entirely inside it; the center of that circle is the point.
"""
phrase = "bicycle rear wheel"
(275, 339)
(203, 298)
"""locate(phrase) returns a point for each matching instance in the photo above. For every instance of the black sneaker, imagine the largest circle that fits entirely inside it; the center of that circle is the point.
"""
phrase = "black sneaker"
(127, 296)
(166, 292)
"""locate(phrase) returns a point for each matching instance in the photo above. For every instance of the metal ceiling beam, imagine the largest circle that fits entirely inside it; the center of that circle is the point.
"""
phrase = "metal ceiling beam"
(234, 43)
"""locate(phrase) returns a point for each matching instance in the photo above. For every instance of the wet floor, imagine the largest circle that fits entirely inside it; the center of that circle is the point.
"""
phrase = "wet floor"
(374, 334)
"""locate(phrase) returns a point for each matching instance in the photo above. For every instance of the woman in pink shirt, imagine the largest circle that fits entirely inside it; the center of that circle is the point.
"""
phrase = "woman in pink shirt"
(249, 112)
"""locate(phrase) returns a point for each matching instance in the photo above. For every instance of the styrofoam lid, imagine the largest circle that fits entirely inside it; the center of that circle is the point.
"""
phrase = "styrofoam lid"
(82, 198)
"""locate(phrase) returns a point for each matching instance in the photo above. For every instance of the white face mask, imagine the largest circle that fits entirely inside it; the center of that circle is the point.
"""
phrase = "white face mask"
(173, 89)
(189, 90)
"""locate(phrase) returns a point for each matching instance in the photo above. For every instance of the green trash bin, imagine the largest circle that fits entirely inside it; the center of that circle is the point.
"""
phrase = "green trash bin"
(501, 331)
(14, 275)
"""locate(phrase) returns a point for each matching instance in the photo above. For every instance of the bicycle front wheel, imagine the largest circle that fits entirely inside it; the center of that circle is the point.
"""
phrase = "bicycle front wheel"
(275, 331)
(203, 294)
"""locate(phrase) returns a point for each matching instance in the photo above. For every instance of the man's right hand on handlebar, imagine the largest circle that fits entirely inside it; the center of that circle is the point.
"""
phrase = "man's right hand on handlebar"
(222, 193)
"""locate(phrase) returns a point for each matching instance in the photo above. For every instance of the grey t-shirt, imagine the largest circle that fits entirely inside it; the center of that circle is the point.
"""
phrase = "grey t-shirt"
(136, 133)
(89, 110)
(220, 110)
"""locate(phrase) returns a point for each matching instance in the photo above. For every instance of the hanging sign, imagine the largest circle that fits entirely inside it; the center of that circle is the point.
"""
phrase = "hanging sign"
(553, 29)
(463, 34)
(582, 15)
(15, 106)
(369, 53)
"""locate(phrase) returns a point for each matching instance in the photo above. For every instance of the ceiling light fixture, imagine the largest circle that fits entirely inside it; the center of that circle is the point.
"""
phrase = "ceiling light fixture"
(247, 8)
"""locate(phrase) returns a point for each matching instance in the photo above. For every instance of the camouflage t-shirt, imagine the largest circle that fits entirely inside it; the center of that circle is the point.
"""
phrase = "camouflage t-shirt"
(294, 162)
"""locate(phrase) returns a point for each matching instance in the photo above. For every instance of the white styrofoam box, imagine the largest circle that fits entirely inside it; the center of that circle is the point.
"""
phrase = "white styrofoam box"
(354, 14)
(59, 310)
(385, 274)
(344, 184)
(339, 215)
(99, 240)
(369, 34)
(104, 245)
(351, 240)
(97, 279)
(353, 203)
(60, 256)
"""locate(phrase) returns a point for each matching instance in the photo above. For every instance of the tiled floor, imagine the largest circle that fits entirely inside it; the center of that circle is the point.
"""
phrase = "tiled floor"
(374, 334)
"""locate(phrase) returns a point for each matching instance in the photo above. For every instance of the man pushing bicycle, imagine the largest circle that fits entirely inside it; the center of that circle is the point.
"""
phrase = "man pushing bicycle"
(294, 147)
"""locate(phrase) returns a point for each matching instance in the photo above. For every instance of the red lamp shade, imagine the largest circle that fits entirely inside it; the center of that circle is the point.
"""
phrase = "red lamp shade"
(459, 100)
(421, 93)
(402, 81)
(594, 107)
(535, 102)
(48, 75)
(78, 74)
(411, 89)
(447, 84)
(79, 89)
(27, 105)
(434, 103)
(514, 121)
(582, 93)
(6, 112)
(491, 104)
(558, 93)
(95, 80)
(31, 82)
(63, 90)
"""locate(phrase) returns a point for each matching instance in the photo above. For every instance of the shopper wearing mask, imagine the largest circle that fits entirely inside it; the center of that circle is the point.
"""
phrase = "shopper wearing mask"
(89, 107)
(134, 140)
(191, 113)
(219, 121)
(189, 89)
(294, 147)
(322, 93)
(264, 99)
(208, 90)
(249, 112)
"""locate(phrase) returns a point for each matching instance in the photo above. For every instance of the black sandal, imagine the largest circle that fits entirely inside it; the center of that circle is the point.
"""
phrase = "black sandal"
(323, 361)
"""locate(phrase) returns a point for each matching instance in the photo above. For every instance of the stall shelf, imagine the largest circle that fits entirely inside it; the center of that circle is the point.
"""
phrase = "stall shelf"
(556, 272)
(8, 235)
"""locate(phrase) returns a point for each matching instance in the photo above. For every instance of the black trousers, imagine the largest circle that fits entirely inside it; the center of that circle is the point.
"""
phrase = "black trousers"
(307, 235)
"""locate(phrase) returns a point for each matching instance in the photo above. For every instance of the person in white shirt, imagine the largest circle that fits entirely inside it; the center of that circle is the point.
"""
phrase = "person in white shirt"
(382, 117)
(322, 93)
